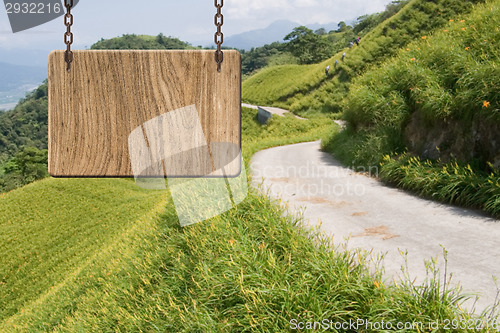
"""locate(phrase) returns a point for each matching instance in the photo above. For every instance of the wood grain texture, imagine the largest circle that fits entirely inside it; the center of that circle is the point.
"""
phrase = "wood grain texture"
(107, 95)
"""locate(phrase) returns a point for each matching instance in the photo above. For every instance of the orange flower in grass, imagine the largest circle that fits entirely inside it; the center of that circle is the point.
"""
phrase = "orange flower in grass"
(424, 37)
(463, 29)
(467, 48)
(231, 241)
(412, 59)
(486, 104)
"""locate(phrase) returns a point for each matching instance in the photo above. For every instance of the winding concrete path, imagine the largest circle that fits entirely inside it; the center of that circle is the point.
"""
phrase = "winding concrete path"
(381, 219)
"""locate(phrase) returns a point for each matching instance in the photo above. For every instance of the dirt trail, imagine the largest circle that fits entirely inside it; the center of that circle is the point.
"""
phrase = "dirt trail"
(383, 219)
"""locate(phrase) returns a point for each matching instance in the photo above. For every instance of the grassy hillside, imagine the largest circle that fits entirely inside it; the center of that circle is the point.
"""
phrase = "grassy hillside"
(53, 232)
(437, 99)
(300, 92)
(106, 256)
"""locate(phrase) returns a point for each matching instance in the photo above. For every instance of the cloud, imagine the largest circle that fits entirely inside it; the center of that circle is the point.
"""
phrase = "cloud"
(190, 20)
(261, 13)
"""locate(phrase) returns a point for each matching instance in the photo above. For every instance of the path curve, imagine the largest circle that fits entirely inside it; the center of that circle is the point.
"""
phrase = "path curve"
(374, 216)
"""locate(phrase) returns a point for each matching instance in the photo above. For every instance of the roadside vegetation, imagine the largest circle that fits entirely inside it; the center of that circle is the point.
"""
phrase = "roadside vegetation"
(431, 114)
(423, 83)
(141, 42)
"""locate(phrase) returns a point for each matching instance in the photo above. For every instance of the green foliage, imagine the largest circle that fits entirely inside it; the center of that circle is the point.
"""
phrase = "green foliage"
(444, 84)
(280, 131)
(25, 125)
(141, 42)
(446, 182)
(105, 255)
(307, 46)
(252, 269)
(366, 23)
(343, 27)
(28, 165)
(271, 84)
(23, 140)
(270, 54)
(453, 75)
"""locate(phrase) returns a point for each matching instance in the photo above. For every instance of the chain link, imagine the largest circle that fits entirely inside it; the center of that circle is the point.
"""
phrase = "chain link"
(219, 36)
(68, 36)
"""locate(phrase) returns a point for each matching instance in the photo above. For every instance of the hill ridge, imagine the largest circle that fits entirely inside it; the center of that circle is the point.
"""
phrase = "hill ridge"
(379, 44)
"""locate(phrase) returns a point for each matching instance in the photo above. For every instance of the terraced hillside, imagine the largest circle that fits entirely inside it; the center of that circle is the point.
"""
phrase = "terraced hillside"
(301, 88)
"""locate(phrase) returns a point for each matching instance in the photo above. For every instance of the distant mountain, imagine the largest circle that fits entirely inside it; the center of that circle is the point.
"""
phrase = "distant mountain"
(14, 76)
(17, 80)
(273, 33)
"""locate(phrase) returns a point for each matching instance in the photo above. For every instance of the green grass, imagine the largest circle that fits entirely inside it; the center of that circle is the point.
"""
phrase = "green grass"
(106, 256)
(301, 88)
(446, 182)
(52, 230)
(280, 131)
(275, 84)
(251, 269)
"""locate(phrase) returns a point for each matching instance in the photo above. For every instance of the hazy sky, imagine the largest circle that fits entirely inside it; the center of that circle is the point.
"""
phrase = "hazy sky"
(189, 20)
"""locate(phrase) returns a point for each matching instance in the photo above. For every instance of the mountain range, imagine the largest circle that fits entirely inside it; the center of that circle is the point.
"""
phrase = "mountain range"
(275, 32)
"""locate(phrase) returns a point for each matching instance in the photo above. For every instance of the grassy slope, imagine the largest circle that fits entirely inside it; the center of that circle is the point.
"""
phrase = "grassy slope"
(250, 269)
(53, 230)
(443, 81)
(60, 237)
(301, 88)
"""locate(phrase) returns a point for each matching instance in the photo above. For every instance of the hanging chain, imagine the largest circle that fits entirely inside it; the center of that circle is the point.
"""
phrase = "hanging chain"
(219, 36)
(68, 36)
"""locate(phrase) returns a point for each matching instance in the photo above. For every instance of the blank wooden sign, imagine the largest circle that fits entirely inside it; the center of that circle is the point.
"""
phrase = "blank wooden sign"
(144, 113)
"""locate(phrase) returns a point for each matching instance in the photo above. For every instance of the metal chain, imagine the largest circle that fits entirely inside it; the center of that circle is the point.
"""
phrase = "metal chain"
(219, 36)
(68, 36)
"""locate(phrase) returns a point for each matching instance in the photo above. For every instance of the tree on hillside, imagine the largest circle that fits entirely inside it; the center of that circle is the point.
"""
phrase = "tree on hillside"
(307, 46)
(259, 57)
(135, 42)
(320, 31)
(32, 163)
(26, 166)
(342, 26)
(393, 8)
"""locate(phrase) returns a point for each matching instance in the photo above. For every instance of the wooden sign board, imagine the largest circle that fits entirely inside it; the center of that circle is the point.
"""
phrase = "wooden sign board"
(144, 113)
